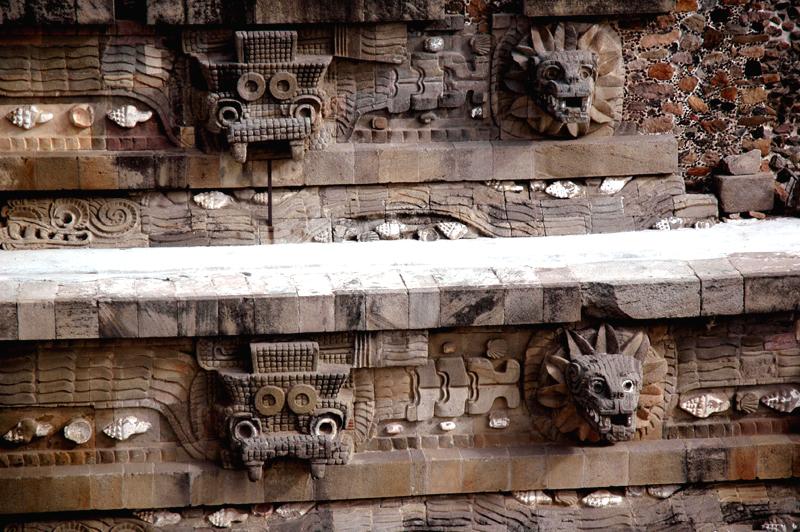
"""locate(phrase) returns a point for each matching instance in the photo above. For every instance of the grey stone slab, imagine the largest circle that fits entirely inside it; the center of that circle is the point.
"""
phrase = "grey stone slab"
(607, 156)
(118, 309)
(387, 304)
(36, 310)
(524, 295)
(158, 308)
(76, 310)
(423, 299)
(639, 289)
(9, 329)
(236, 307)
(350, 301)
(721, 287)
(771, 281)
(561, 298)
(316, 303)
(513, 161)
(576, 8)
(275, 303)
(197, 307)
(742, 193)
(469, 296)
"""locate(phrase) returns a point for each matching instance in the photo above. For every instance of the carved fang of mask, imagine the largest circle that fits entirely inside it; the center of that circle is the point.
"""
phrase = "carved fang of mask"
(562, 83)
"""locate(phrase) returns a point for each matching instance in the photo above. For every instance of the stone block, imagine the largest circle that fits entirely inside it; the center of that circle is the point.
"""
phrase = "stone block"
(316, 303)
(606, 156)
(565, 467)
(771, 281)
(606, 466)
(639, 289)
(387, 305)
(76, 311)
(742, 193)
(474, 161)
(9, 311)
(576, 8)
(398, 163)
(443, 470)
(774, 457)
(335, 165)
(118, 309)
(524, 295)
(197, 307)
(747, 163)
(469, 297)
(57, 173)
(656, 462)
(423, 300)
(350, 301)
(486, 469)
(235, 305)
(528, 467)
(721, 287)
(275, 303)
(561, 299)
(158, 308)
(36, 310)
(706, 460)
(513, 161)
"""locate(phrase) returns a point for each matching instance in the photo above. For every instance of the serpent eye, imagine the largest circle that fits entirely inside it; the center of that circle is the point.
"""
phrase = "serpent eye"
(587, 72)
(551, 73)
(627, 385)
(598, 386)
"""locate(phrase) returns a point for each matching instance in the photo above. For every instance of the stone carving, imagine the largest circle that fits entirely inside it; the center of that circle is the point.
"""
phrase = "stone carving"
(128, 116)
(784, 399)
(28, 116)
(564, 79)
(609, 390)
(533, 498)
(601, 499)
(70, 222)
(26, 430)
(563, 189)
(78, 430)
(447, 426)
(664, 491)
(159, 518)
(81, 116)
(669, 223)
(213, 200)
(287, 406)
(125, 427)
(704, 404)
(225, 517)
(612, 185)
(747, 402)
(266, 94)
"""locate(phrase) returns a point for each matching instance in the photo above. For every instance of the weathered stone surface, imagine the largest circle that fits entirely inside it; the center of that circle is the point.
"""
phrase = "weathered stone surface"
(742, 193)
(555, 8)
(721, 287)
(747, 163)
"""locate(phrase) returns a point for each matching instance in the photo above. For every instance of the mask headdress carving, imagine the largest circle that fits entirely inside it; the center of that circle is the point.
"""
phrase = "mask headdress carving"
(603, 390)
(565, 80)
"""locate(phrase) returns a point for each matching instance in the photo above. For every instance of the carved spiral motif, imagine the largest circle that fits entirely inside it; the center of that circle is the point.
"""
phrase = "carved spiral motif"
(115, 217)
(66, 213)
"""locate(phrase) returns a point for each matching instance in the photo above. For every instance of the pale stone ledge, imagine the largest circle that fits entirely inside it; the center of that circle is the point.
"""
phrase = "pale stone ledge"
(572, 8)
(403, 473)
(285, 289)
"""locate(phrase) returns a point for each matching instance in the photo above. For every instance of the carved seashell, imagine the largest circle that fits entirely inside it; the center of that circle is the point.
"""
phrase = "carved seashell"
(295, 509)
(213, 200)
(669, 224)
(158, 518)
(563, 189)
(448, 348)
(505, 186)
(705, 224)
(476, 112)
(447, 426)
(322, 236)
(26, 430)
(453, 230)
(434, 44)
(532, 497)
(260, 198)
(28, 116)
(705, 404)
(128, 116)
(664, 491)
(612, 185)
(125, 427)
(394, 428)
(566, 497)
(538, 186)
(225, 517)
(81, 116)
(497, 348)
(784, 399)
(498, 421)
(635, 491)
(427, 234)
(391, 230)
(79, 430)
(601, 499)
(481, 44)
(368, 236)
(747, 402)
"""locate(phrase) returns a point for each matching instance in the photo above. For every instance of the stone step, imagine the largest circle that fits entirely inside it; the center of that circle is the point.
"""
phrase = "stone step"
(138, 293)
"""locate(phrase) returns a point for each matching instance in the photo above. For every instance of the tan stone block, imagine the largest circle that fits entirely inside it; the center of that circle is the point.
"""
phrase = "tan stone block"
(606, 466)
(105, 487)
(76, 311)
(528, 467)
(706, 460)
(334, 165)
(382, 474)
(473, 161)
(387, 304)
(36, 310)
(98, 173)
(202, 171)
(57, 173)
(287, 173)
(485, 469)
(138, 486)
(742, 459)
(443, 471)
(367, 164)
(774, 457)
(316, 304)
(656, 462)
(721, 287)
(275, 303)
(771, 282)
(513, 161)
(136, 172)
(158, 308)
(565, 467)
(423, 300)
(17, 173)
(524, 295)
(233, 174)
(436, 161)
(398, 163)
